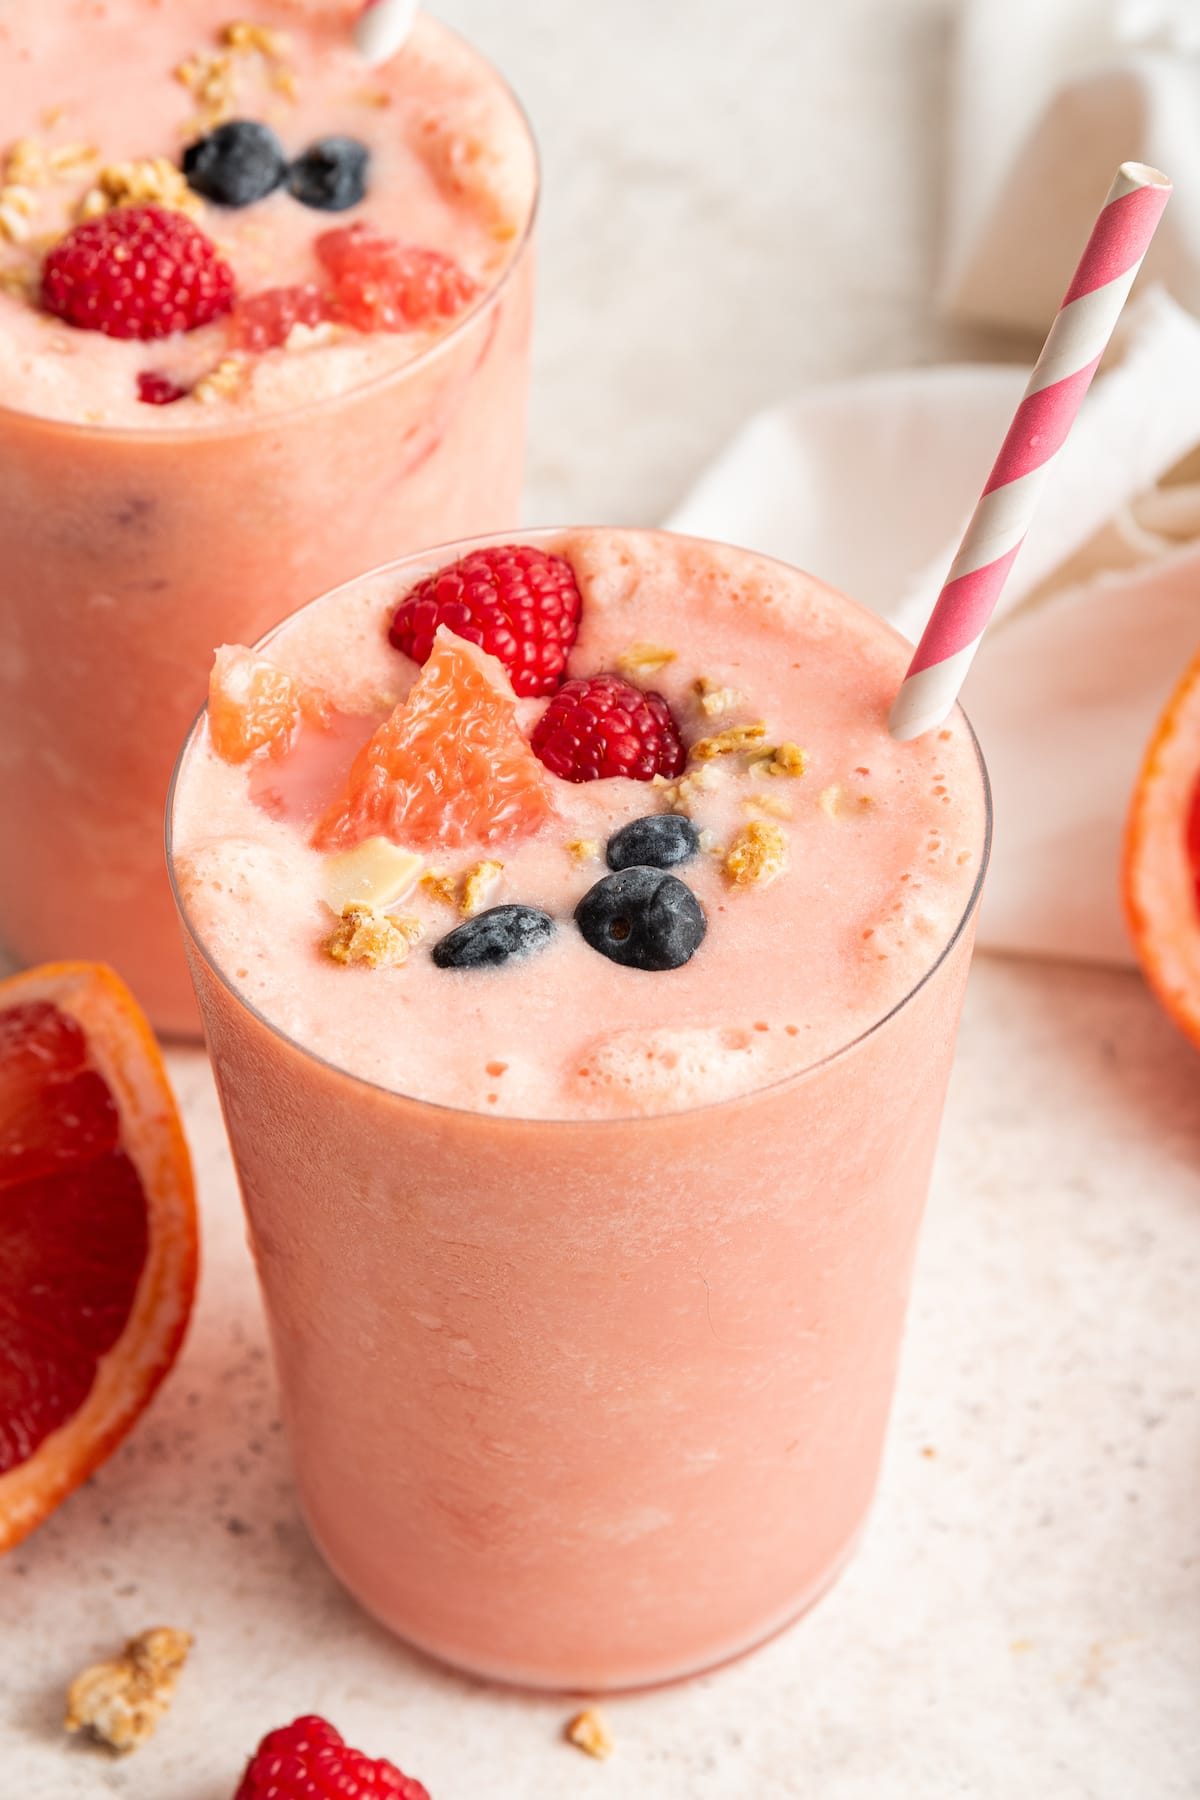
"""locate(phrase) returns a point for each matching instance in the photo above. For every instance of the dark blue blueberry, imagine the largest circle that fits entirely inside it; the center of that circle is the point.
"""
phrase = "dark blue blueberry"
(662, 841)
(331, 175)
(642, 918)
(236, 164)
(494, 936)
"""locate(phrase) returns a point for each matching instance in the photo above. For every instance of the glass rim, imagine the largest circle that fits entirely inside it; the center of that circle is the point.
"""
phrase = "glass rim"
(266, 421)
(437, 555)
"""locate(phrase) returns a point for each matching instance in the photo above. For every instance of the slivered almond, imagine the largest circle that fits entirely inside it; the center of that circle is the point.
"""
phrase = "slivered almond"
(644, 659)
(376, 873)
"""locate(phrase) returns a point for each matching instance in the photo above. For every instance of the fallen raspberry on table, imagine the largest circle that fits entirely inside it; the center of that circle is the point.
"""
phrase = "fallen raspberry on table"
(309, 1760)
(265, 321)
(602, 726)
(137, 272)
(519, 604)
(382, 285)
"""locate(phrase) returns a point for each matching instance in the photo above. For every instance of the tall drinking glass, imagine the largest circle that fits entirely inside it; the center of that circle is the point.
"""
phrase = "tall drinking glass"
(127, 554)
(587, 1402)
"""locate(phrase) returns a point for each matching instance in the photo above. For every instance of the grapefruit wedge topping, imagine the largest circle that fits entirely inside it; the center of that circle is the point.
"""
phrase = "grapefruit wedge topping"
(255, 706)
(97, 1231)
(1162, 858)
(448, 767)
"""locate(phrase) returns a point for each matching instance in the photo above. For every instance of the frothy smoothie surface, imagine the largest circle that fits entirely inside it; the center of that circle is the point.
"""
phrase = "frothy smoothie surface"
(829, 864)
(100, 102)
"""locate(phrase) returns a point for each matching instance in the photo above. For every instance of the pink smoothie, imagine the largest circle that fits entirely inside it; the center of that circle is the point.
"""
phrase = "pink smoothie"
(134, 537)
(586, 1283)
(882, 842)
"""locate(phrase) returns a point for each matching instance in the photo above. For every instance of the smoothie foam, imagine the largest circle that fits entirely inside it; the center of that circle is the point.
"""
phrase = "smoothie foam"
(882, 841)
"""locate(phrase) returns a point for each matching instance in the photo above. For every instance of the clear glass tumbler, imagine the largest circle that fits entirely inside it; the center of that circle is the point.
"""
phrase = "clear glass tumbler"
(588, 1404)
(126, 557)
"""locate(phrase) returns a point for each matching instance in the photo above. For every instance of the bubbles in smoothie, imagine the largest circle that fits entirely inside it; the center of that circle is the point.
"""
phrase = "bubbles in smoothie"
(241, 898)
(674, 1068)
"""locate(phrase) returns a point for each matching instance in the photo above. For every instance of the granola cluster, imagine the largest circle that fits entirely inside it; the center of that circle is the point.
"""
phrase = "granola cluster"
(32, 169)
(469, 892)
(380, 940)
(222, 382)
(216, 79)
(147, 181)
(119, 1703)
(715, 699)
(758, 854)
(477, 885)
(729, 742)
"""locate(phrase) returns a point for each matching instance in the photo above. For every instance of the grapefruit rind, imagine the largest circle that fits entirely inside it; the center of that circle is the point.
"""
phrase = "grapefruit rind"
(123, 1048)
(450, 766)
(1159, 882)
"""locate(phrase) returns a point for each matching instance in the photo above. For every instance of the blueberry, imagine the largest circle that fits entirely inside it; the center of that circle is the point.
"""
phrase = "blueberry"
(236, 164)
(494, 936)
(331, 175)
(662, 841)
(643, 919)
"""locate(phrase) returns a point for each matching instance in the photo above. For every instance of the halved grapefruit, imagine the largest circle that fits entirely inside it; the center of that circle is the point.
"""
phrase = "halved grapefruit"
(97, 1231)
(1162, 858)
(254, 705)
(450, 766)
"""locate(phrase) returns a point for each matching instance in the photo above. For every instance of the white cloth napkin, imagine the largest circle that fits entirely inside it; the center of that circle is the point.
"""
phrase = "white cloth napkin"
(1050, 95)
(869, 484)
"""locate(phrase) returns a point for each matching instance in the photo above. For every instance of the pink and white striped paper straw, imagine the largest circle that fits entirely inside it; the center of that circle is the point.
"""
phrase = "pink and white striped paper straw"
(382, 27)
(1061, 377)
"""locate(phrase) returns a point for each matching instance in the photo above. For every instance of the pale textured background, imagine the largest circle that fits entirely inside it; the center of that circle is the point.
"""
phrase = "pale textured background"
(743, 201)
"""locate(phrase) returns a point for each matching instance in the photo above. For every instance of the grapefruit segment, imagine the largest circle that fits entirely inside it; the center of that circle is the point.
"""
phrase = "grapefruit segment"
(97, 1231)
(1162, 858)
(449, 767)
(255, 706)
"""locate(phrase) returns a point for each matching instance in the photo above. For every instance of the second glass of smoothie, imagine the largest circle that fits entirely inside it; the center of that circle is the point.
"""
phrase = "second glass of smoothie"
(584, 1214)
(135, 535)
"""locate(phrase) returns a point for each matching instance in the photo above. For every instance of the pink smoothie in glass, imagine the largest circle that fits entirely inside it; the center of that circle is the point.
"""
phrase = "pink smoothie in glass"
(135, 536)
(586, 1282)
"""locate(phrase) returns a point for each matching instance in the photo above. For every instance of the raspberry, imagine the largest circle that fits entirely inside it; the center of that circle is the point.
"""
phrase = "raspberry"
(137, 272)
(519, 604)
(264, 321)
(602, 726)
(159, 390)
(309, 1760)
(383, 285)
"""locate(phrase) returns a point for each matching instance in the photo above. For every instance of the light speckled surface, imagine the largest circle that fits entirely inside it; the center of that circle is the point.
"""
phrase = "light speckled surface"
(1023, 1618)
(1025, 1615)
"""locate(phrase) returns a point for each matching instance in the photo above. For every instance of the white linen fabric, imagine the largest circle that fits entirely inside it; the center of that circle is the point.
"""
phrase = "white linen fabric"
(869, 483)
(1050, 95)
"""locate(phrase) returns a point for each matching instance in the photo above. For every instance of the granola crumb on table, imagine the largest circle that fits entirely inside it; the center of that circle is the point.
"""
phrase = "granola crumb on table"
(119, 1703)
(589, 1732)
